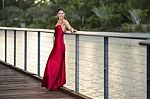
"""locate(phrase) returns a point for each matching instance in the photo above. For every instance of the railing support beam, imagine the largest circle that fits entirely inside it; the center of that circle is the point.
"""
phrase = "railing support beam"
(147, 43)
(38, 52)
(105, 67)
(5, 45)
(77, 63)
(148, 72)
(25, 50)
(14, 47)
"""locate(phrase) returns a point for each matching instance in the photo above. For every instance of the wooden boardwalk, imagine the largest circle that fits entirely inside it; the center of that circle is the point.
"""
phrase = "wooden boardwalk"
(17, 85)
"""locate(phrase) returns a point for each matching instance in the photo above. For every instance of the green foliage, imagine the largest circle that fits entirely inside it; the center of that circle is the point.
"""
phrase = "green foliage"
(136, 28)
(10, 15)
(104, 23)
(91, 15)
(136, 15)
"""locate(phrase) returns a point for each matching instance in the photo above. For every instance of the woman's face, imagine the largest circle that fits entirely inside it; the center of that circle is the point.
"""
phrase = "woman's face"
(60, 14)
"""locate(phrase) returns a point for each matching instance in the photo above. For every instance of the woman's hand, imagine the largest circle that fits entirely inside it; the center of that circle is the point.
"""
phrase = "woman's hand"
(74, 31)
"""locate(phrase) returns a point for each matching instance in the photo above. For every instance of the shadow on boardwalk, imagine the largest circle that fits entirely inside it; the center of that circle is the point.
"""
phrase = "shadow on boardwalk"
(17, 85)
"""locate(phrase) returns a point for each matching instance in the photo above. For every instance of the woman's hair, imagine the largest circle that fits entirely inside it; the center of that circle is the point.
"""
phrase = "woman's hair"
(60, 9)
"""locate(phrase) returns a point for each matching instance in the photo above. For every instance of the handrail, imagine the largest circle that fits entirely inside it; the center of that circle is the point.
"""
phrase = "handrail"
(136, 35)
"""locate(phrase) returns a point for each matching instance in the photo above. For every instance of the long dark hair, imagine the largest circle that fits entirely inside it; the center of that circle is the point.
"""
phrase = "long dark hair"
(60, 9)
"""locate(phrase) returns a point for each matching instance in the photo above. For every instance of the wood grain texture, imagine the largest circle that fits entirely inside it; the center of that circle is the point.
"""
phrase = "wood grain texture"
(15, 85)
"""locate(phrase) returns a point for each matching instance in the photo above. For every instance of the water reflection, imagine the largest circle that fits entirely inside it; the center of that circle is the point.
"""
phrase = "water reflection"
(127, 61)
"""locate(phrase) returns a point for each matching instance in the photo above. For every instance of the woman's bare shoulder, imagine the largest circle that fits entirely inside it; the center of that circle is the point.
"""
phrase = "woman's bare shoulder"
(65, 21)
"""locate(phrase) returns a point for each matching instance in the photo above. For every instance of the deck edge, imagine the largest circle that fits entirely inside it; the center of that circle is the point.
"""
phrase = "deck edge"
(36, 77)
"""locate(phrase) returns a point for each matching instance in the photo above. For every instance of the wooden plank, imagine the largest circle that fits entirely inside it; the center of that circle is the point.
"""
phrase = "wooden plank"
(19, 86)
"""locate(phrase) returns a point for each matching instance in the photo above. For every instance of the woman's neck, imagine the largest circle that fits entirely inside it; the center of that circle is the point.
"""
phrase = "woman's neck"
(60, 20)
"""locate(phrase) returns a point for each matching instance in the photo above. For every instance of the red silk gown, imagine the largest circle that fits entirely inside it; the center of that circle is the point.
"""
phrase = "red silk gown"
(54, 75)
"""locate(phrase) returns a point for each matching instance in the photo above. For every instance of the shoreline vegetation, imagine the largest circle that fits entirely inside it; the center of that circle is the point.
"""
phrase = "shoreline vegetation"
(85, 15)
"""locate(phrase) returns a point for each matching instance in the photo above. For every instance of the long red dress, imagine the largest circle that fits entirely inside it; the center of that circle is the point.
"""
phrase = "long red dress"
(54, 75)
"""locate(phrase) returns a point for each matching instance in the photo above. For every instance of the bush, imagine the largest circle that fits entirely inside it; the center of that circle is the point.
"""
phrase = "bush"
(110, 23)
(136, 28)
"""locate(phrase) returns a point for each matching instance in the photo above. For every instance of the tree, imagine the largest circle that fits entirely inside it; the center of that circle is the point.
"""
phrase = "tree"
(25, 4)
(136, 15)
(10, 14)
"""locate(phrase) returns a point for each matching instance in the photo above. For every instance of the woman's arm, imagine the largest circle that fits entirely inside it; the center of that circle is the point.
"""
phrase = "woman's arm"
(53, 39)
(68, 26)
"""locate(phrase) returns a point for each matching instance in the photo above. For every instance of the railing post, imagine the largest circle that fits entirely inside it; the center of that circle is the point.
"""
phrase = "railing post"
(77, 63)
(147, 43)
(25, 50)
(105, 67)
(38, 69)
(5, 45)
(14, 47)
(148, 72)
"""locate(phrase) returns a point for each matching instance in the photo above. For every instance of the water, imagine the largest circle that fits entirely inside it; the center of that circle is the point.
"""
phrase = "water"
(127, 63)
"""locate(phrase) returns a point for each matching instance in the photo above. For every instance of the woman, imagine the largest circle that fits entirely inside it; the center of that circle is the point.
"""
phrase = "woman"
(54, 75)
